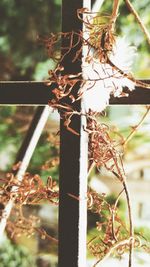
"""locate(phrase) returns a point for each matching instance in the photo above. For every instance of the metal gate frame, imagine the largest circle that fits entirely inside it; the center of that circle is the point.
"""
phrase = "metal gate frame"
(73, 154)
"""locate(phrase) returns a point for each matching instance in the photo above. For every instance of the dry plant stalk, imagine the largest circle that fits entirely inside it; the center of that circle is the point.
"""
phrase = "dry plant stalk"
(19, 224)
(102, 149)
(103, 152)
(137, 17)
(102, 38)
(31, 191)
(114, 238)
(136, 127)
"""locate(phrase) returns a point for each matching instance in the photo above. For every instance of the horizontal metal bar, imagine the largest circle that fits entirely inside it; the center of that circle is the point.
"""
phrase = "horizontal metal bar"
(38, 93)
(138, 96)
(25, 92)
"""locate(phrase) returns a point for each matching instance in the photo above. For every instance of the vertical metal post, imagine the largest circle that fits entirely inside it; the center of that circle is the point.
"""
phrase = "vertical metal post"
(73, 165)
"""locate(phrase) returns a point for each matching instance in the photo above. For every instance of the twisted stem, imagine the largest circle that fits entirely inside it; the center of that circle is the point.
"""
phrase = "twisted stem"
(137, 17)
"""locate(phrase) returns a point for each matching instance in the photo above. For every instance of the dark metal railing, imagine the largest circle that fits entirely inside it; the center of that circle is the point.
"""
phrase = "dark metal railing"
(71, 146)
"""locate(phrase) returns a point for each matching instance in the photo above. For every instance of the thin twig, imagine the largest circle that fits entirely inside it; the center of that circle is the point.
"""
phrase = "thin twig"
(128, 75)
(131, 230)
(130, 222)
(137, 17)
(44, 234)
(115, 246)
(114, 213)
(115, 10)
(135, 128)
(120, 174)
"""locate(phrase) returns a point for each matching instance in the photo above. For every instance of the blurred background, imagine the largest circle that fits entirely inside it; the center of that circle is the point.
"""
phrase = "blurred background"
(20, 250)
(136, 159)
(23, 22)
(24, 57)
(120, 119)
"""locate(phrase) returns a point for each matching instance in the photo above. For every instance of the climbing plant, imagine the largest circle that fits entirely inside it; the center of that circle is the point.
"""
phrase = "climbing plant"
(103, 74)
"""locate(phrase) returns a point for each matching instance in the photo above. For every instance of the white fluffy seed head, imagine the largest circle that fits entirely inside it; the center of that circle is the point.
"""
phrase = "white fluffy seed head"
(102, 80)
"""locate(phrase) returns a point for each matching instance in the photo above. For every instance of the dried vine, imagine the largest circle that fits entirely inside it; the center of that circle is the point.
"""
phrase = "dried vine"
(100, 41)
(31, 191)
(103, 151)
(137, 17)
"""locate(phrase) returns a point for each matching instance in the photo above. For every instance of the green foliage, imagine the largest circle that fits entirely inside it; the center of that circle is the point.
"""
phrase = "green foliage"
(41, 69)
(12, 255)
(44, 152)
(23, 56)
(13, 119)
(11, 137)
(21, 22)
(144, 232)
(111, 199)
